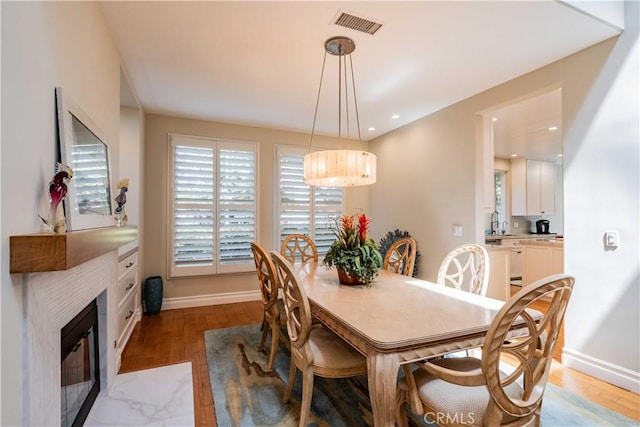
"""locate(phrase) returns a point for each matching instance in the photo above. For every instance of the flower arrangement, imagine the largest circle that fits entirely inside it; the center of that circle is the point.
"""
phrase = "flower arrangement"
(355, 256)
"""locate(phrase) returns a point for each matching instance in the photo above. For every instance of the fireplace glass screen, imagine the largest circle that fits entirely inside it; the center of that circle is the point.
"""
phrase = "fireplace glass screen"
(80, 382)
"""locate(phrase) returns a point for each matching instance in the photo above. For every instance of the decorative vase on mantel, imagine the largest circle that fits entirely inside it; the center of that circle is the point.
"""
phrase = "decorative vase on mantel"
(347, 279)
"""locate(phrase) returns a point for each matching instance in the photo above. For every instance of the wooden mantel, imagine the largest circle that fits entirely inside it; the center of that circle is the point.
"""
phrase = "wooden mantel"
(30, 253)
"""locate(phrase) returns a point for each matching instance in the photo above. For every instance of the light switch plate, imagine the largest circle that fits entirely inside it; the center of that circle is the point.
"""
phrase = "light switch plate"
(457, 230)
(611, 239)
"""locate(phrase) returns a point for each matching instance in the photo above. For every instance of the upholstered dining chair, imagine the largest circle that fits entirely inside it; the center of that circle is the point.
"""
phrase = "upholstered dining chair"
(466, 268)
(401, 256)
(298, 247)
(273, 316)
(314, 350)
(505, 386)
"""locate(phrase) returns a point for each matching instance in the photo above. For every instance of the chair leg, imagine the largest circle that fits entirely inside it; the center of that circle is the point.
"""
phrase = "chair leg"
(292, 378)
(307, 394)
(401, 412)
(265, 330)
(275, 335)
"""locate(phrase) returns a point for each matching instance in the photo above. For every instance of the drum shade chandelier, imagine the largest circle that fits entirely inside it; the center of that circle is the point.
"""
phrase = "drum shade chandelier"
(340, 168)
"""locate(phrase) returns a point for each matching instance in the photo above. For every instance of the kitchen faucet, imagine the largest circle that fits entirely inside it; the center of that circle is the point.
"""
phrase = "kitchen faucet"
(495, 224)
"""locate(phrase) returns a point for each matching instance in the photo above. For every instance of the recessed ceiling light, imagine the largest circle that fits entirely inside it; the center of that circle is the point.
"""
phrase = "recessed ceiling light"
(395, 116)
(560, 155)
(495, 119)
(553, 128)
(372, 128)
(514, 155)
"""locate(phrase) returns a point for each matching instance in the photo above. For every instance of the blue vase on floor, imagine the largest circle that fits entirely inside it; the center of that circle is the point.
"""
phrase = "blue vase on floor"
(153, 294)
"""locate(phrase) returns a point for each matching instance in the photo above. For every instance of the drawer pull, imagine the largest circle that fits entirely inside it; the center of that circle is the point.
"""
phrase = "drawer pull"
(129, 265)
(129, 286)
(128, 316)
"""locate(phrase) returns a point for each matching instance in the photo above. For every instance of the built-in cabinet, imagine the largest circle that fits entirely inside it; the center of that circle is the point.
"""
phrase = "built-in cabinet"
(541, 260)
(128, 297)
(533, 187)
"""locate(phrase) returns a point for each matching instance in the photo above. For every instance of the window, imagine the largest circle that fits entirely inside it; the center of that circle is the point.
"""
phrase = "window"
(303, 209)
(213, 207)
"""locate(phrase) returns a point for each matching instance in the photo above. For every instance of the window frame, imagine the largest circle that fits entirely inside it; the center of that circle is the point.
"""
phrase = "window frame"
(292, 150)
(217, 266)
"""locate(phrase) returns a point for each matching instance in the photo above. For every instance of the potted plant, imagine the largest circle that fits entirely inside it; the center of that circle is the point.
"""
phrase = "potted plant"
(355, 256)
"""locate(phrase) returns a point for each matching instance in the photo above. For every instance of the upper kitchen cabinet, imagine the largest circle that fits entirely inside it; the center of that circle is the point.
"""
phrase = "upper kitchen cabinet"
(533, 187)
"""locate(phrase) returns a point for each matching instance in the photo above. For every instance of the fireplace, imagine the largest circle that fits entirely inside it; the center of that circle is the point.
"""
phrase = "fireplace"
(80, 366)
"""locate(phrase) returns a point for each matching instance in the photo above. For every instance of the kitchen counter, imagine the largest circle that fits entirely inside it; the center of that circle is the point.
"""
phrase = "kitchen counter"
(519, 236)
(555, 243)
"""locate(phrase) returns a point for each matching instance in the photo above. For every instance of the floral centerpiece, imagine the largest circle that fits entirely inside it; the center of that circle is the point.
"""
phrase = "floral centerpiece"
(355, 256)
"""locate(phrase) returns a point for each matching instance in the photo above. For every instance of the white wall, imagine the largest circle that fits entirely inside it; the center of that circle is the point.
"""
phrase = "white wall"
(44, 45)
(602, 189)
(434, 188)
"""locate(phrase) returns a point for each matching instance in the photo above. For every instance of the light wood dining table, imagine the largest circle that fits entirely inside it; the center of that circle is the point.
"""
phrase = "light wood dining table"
(394, 321)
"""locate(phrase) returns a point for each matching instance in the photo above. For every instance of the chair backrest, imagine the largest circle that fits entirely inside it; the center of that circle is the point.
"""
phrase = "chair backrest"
(533, 353)
(467, 268)
(296, 307)
(267, 275)
(401, 256)
(298, 247)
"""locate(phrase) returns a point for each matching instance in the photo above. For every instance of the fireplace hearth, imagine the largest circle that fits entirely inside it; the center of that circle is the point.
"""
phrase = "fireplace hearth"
(80, 366)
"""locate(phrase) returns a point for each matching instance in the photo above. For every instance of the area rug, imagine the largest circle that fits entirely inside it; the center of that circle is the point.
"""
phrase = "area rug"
(244, 394)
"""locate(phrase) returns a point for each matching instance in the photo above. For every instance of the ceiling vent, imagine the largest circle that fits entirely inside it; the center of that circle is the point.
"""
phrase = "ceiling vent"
(357, 23)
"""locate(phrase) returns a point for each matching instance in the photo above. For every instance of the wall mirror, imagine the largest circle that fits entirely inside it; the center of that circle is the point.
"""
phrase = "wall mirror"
(83, 148)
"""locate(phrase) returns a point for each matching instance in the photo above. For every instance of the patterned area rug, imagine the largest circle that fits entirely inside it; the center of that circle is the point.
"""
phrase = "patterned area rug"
(245, 395)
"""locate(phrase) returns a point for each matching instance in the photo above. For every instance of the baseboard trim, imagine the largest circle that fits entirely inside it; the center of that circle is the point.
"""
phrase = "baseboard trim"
(212, 299)
(605, 371)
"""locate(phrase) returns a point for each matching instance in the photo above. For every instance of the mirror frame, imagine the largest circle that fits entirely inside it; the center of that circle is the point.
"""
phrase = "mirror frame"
(66, 110)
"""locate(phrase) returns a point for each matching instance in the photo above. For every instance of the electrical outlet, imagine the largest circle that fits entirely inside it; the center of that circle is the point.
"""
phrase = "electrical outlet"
(516, 224)
(457, 230)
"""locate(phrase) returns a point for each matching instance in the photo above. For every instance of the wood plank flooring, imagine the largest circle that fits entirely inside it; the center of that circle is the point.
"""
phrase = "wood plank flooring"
(175, 336)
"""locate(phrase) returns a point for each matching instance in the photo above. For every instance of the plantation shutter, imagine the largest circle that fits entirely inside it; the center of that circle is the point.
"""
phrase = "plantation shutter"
(91, 175)
(213, 206)
(304, 209)
(237, 216)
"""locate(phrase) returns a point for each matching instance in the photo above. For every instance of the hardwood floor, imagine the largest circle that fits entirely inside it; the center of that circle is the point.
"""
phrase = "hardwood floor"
(175, 336)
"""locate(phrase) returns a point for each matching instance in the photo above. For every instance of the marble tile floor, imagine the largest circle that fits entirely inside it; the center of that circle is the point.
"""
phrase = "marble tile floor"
(152, 397)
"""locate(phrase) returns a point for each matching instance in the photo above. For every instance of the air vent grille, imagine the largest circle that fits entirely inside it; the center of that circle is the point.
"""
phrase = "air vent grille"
(356, 23)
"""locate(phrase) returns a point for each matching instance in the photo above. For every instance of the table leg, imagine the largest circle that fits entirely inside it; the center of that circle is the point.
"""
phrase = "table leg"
(382, 370)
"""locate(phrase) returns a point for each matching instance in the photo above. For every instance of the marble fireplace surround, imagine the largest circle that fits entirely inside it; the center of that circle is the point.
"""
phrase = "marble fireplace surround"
(52, 298)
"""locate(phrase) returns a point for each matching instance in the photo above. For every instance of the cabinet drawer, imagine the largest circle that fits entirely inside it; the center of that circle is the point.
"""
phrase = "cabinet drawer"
(126, 314)
(126, 285)
(127, 264)
(510, 242)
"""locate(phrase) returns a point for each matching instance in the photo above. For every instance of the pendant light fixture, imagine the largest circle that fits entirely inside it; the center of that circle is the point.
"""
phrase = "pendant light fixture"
(340, 168)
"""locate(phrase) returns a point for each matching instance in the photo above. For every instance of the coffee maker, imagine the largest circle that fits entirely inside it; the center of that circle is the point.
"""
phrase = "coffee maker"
(542, 226)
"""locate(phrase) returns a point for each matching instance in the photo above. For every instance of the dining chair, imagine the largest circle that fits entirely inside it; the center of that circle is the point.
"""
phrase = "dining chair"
(298, 247)
(401, 256)
(506, 385)
(466, 268)
(315, 350)
(273, 314)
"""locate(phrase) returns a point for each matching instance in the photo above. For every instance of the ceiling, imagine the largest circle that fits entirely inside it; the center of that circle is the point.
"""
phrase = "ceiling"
(531, 128)
(258, 63)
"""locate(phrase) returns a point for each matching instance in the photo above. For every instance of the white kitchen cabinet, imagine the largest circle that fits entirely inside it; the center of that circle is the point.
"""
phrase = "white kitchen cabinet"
(533, 187)
(541, 260)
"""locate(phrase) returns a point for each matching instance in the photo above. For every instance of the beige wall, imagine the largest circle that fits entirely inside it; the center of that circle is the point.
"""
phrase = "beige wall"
(44, 45)
(434, 188)
(155, 201)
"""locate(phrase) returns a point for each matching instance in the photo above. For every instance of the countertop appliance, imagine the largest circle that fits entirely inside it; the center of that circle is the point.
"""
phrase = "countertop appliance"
(542, 226)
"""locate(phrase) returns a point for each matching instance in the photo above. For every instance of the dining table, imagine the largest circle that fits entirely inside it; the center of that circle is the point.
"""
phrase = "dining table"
(396, 320)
